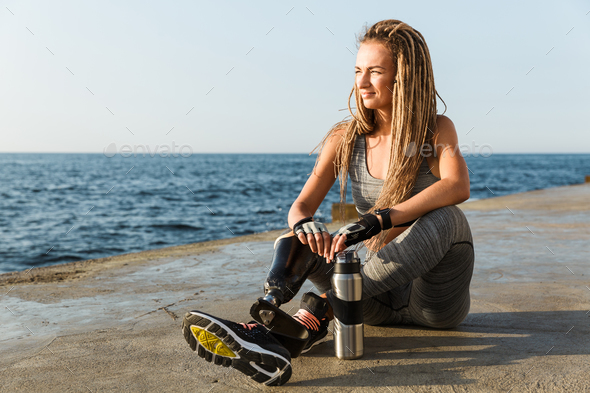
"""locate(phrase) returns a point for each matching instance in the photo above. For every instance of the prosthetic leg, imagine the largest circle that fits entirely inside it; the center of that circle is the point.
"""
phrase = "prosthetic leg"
(292, 262)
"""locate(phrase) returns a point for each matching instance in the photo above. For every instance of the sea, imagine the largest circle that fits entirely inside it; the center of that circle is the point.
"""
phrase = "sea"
(57, 208)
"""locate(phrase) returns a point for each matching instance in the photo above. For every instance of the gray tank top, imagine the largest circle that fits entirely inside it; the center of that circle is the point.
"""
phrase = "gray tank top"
(366, 188)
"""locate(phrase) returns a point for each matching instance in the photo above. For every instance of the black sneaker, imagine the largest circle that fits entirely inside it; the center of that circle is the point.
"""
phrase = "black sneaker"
(246, 347)
(312, 316)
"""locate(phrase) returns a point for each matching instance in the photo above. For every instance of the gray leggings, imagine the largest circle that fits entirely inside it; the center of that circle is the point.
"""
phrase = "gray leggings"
(421, 277)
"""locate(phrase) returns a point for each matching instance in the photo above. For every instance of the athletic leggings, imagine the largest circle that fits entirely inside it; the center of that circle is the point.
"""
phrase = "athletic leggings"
(420, 278)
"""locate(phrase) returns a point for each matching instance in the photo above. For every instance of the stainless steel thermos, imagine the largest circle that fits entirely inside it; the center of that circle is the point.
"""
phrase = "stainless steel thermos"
(347, 286)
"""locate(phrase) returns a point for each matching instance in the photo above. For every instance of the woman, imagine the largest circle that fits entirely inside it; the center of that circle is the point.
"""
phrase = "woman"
(407, 176)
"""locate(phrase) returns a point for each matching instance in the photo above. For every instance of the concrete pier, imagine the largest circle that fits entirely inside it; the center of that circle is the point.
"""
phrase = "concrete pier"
(113, 324)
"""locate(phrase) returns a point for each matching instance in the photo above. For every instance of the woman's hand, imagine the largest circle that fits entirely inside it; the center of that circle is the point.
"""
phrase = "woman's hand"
(368, 226)
(315, 234)
(319, 243)
(337, 246)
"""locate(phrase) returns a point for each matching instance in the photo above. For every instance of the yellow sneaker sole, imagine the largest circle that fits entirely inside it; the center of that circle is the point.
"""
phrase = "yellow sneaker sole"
(212, 343)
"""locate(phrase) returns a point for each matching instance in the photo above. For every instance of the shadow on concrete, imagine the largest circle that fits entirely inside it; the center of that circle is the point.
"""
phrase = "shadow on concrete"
(418, 356)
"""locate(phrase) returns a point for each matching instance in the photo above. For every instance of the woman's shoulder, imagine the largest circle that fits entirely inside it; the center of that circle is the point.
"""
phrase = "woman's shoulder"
(443, 121)
(445, 129)
(335, 138)
(339, 132)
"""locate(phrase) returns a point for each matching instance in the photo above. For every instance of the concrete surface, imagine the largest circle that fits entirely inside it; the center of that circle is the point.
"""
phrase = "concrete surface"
(113, 324)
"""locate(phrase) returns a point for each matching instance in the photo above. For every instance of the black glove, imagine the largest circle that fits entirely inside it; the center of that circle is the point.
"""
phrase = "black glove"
(367, 227)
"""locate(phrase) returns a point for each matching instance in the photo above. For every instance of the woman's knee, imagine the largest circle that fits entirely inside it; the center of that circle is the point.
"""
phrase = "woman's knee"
(448, 222)
(446, 215)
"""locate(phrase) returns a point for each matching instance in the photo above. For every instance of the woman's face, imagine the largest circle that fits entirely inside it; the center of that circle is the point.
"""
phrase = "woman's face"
(375, 73)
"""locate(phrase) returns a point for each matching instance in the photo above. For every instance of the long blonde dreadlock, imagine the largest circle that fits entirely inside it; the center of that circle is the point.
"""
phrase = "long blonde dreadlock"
(413, 117)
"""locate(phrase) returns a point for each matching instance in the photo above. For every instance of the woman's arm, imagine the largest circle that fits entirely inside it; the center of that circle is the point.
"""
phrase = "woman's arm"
(313, 193)
(451, 189)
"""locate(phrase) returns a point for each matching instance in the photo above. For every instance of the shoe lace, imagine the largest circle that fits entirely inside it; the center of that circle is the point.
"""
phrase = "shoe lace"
(307, 319)
(249, 326)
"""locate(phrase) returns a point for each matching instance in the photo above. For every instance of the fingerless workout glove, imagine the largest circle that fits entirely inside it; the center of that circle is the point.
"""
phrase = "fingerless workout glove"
(308, 226)
(367, 227)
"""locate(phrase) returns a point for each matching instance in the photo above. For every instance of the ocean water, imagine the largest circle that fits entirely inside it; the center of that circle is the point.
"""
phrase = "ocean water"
(57, 208)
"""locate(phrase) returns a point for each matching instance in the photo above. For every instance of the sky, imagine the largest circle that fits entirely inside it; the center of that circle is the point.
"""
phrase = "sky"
(273, 76)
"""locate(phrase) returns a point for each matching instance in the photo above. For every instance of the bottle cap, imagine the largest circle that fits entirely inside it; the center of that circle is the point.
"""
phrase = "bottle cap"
(347, 257)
